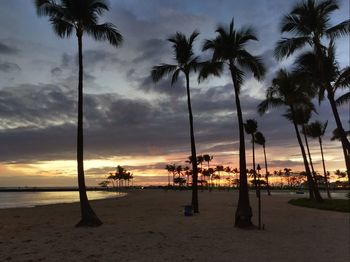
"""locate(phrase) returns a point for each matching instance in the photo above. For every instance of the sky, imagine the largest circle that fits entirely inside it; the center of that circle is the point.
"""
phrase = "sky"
(129, 120)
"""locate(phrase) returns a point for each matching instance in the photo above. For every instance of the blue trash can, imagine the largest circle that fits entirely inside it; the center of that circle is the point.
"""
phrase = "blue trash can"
(188, 211)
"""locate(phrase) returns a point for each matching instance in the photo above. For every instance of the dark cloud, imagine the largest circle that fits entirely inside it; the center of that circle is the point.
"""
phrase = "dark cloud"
(153, 50)
(7, 50)
(56, 71)
(8, 67)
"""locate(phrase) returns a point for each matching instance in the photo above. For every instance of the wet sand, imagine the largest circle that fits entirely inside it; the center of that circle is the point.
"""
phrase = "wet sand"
(149, 225)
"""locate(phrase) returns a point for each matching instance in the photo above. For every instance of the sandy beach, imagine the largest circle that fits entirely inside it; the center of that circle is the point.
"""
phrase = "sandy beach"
(149, 225)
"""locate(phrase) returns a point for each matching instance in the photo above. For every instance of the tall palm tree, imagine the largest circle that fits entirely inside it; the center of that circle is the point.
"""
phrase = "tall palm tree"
(309, 21)
(259, 138)
(187, 62)
(289, 90)
(316, 130)
(250, 127)
(229, 49)
(81, 17)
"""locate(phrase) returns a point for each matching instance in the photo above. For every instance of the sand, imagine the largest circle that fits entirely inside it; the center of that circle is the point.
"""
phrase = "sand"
(149, 225)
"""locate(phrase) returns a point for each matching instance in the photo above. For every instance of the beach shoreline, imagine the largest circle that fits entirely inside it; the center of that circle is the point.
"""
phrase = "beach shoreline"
(149, 225)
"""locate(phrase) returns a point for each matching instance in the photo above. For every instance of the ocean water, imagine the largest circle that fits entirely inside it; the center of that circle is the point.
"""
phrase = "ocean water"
(31, 199)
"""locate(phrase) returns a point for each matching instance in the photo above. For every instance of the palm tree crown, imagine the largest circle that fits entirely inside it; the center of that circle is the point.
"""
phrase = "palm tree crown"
(316, 129)
(81, 16)
(251, 126)
(309, 22)
(229, 47)
(287, 89)
(184, 56)
(259, 138)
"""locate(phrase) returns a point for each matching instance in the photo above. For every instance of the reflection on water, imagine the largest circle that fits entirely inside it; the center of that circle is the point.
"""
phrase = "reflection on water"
(31, 199)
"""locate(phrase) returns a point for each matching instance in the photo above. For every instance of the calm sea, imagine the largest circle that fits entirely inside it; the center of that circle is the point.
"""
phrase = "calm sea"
(31, 199)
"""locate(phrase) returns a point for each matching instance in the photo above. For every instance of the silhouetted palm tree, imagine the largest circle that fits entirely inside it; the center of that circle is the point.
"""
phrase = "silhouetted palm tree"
(187, 62)
(250, 127)
(259, 138)
(219, 169)
(200, 160)
(80, 17)
(309, 21)
(229, 48)
(343, 81)
(317, 130)
(289, 90)
(207, 158)
(171, 169)
(301, 117)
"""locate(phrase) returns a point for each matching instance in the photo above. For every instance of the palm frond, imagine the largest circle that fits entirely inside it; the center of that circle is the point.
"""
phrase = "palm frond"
(269, 103)
(341, 29)
(210, 69)
(345, 98)
(194, 64)
(158, 72)
(175, 76)
(62, 28)
(106, 31)
(99, 6)
(245, 34)
(287, 46)
(193, 36)
(291, 23)
(47, 8)
(328, 6)
(253, 63)
(208, 45)
(343, 80)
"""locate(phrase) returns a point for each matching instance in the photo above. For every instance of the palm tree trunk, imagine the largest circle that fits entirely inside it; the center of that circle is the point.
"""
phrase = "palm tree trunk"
(243, 214)
(314, 175)
(267, 174)
(309, 154)
(193, 151)
(314, 193)
(324, 168)
(88, 216)
(345, 142)
(254, 172)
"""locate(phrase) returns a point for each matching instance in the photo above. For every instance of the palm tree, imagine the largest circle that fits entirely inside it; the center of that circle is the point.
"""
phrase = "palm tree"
(289, 90)
(200, 160)
(250, 127)
(317, 130)
(342, 81)
(259, 138)
(229, 48)
(301, 117)
(82, 17)
(171, 169)
(207, 158)
(187, 62)
(219, 169)
(309, 21)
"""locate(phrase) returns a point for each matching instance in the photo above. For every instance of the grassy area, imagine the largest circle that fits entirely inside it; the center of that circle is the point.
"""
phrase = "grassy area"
(340, 205)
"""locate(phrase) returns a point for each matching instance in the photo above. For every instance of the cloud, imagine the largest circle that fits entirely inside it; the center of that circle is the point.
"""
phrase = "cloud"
(7, 50)
(8, 67)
